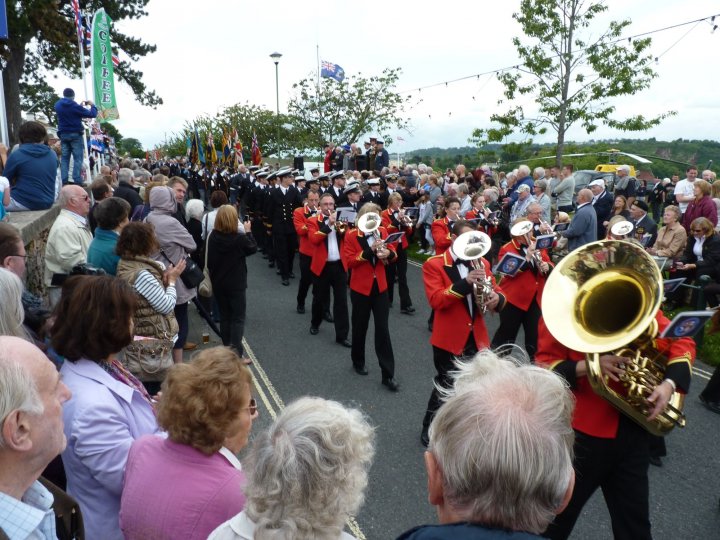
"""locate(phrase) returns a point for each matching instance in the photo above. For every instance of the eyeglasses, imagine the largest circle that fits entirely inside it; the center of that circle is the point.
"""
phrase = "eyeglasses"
(253, 407)
(84, 197)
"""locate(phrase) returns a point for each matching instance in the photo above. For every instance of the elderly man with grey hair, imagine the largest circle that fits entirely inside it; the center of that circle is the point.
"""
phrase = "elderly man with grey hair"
(307, 474)
(126, 188)
(583, 227)
(31, 435)
(625, 184)
(69, 239)
(499, 462)
(524, 199)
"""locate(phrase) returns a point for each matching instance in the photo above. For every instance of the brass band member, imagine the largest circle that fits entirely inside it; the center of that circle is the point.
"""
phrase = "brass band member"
(523, 291)
(441, 228)
(394, 220)
(366, 255)
(459, 326)
(301, 216)
(328, 271)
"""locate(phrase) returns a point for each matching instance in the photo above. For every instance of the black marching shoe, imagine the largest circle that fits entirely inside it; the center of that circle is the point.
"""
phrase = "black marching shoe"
(328, 317)
(286, 282)
(713, 406)
(292, 276)
(655, 461)
(360, 370)
(344, 342)
(300, 309)
(408, 310)
(271, 264)
(391, 384)
(314, 330)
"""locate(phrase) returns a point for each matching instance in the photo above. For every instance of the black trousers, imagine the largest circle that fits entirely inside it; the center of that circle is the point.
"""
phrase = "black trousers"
(306, 278)
(619, 467)
(376, 303)
(444, 363)
(333, 276)
(712, 294)
(232, 307)
(511, 318)
(399, 269)
(712, 390)
(286, 244)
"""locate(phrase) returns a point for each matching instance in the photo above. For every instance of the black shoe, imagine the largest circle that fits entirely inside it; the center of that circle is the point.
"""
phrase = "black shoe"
(392, 384)
(655, 460)
(271, 264)
(360, 370)
(425, 437)
(713, 406)
(430, 326)
(344, 342)
(314, 330)
(292, 276)
(328, 317)
(286, 282)
(408, 310)
(390, 305)
(300, 309)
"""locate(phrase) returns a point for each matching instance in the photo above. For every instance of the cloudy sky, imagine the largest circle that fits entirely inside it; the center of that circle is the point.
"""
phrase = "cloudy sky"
(216, 53)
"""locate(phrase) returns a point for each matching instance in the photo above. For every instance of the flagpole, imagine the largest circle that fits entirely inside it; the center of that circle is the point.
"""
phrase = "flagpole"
(81, 49)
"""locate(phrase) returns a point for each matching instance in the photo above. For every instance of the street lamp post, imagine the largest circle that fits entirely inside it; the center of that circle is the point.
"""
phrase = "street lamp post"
(276, 58)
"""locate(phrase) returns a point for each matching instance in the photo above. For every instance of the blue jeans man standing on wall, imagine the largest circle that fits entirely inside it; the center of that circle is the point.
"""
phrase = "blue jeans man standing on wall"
(70, 131)
(71, 144)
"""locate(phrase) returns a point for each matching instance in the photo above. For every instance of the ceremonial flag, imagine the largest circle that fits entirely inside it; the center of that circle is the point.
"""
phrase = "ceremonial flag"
(197, 154)
(210, 150)
(188, 148)
(227, 149)
(332, 71)
(238, 149)
(102, 67)
(255, 152)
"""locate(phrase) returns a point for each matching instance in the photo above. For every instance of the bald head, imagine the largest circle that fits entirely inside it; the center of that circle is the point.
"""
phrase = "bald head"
(584, 196)
(75, 199)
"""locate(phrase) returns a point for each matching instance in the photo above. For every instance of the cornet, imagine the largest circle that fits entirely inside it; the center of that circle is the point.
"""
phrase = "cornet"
(524, 229)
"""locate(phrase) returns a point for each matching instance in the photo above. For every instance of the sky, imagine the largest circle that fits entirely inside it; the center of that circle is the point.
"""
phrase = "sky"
(218, 54)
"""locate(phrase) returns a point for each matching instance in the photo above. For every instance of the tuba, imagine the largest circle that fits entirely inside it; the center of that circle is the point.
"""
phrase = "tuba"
(370, 224)
(602, 298)
(471, 246)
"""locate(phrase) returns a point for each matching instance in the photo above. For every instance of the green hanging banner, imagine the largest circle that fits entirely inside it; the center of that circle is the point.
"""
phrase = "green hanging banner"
(102, 67)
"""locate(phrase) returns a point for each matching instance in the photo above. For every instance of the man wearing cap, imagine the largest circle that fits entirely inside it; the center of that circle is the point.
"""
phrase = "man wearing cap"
(382, 158)
(282, 202)
(519, 209)
(352, 196)
(602, 203)
(643, 223)
(337, 185)
(390, 188)
(373, 194)
(70, 130)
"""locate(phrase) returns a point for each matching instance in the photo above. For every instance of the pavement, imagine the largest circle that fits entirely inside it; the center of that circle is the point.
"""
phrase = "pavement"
(289, 363)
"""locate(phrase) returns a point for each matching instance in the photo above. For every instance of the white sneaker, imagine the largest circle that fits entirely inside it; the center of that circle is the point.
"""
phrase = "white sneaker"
(421, 252)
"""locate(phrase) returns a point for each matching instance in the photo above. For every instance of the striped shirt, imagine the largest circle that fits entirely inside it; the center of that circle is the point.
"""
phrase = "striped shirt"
(161, 299)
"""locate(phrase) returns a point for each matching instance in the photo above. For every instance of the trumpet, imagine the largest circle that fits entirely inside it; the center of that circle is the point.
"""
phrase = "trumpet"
(471, 246)
(370, 224)
(404, 219)
(523, 228)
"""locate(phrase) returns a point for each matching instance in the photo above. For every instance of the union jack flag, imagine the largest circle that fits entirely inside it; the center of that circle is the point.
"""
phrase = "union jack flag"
(332, 71)
(76, 11)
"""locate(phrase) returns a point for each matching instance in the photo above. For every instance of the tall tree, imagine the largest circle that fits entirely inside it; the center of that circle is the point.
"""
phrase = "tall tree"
(342, 112)
(43, 39)
(572, 75)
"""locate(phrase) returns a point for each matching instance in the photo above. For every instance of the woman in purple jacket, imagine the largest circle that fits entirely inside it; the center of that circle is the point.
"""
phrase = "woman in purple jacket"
(701, 206)
(188, 484)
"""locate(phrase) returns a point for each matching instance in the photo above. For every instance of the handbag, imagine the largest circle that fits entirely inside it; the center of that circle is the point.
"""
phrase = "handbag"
(149, 358)
(192, 276)
(205, 287)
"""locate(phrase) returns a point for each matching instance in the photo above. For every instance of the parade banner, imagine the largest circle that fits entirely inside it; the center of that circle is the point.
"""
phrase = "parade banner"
(102, 67)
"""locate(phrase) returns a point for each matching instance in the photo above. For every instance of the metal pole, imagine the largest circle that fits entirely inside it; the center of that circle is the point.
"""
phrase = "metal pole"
(277, 109)
(3, 115)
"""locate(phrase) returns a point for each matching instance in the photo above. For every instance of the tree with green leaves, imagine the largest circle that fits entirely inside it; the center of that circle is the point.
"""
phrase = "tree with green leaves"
(572, 74)
(42, 39)
(130, 146)
(343, 111)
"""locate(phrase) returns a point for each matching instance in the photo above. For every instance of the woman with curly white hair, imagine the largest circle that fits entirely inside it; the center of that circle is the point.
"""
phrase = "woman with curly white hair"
(308, 474)
(11, 308)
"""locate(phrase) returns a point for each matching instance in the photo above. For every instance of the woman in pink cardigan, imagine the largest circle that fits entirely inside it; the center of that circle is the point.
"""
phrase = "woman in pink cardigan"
(188, 484)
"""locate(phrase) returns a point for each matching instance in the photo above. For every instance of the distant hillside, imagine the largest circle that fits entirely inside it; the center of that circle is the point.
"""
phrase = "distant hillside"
(682, 151)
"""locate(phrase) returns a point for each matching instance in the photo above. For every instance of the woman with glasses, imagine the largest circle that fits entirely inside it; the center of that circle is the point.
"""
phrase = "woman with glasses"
(187, 484)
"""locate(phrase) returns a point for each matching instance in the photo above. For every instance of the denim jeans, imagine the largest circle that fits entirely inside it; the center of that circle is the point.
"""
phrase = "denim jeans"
(71, 143)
